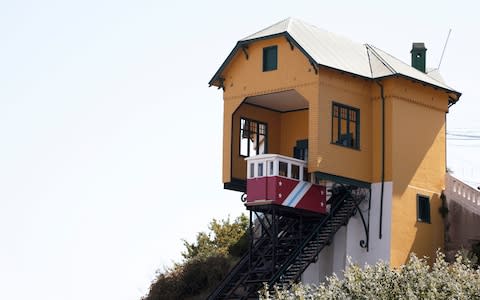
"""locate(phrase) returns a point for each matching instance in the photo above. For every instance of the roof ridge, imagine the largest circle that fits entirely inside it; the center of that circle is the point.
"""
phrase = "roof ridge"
(268, 27)
(415, 70)
(289, 22)
(380, 58)
(369, 60)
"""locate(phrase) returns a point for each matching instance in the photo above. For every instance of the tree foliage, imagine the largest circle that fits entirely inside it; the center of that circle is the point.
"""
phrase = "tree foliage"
(206, 262)
(414, 280)
(224, 238)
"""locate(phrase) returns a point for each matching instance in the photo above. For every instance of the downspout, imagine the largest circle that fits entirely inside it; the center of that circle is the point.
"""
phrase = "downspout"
(383, 159)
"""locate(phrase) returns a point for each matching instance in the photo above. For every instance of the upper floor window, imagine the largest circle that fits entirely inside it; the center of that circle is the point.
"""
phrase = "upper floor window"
(345, 126)
(253, 137)
(270, 58)
(423, 209)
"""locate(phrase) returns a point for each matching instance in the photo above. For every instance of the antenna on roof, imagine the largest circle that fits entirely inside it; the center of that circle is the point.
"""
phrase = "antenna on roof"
(444, 47)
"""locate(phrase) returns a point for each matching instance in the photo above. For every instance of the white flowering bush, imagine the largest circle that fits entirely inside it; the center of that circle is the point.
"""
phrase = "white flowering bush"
(414, 280)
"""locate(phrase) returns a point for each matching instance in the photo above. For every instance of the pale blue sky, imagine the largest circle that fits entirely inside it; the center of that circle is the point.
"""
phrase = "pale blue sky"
(110, 139)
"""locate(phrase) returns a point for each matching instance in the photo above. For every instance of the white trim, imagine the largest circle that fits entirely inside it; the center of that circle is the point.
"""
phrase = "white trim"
(297, 194)
(422, 189)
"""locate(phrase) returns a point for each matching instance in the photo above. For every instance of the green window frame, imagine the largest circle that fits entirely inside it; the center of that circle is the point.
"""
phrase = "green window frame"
(345, 126)
(423, 208)
(270, 58)
(253, 137)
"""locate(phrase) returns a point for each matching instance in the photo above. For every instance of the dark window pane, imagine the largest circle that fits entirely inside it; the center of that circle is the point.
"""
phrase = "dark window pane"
(282, 169)
(345, 126)
(295, 172)
(335, 111)
(252, 141)
(260, 170)
(423, 209)
(261, 128)
(270, 58)
(305, 174)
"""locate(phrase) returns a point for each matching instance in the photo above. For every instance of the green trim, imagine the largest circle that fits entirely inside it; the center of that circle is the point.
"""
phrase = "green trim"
(338, 139)
(257, 133)
(341, 179)
(270, 58)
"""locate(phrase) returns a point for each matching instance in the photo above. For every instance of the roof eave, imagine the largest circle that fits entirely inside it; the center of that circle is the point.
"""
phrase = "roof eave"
(448, 91)
(215, 79)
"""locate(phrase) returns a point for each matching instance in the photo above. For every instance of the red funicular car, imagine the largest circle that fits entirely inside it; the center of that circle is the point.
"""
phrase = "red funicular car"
(282, 180)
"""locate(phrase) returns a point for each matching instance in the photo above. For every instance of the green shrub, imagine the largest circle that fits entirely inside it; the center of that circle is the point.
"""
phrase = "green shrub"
(414, 280)
(206, 262)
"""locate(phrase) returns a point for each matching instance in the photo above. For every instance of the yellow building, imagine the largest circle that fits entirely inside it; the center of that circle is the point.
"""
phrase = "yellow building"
(358, 116)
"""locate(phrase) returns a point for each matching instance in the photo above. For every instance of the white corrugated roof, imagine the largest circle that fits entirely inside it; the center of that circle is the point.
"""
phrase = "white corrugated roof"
(324, 47)
(337, 52)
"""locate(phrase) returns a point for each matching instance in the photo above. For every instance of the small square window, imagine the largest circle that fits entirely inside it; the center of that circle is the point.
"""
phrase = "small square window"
(283, 169)
(260, 170)
(423, 209)
(295, 172)
(270, 58)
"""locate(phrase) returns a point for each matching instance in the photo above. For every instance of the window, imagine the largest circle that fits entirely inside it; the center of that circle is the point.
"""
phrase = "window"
(423, 209)
(283, 169)
(253, 137)
(252, 170)
(295, 172)
(300, 151)
(260, 170)
(269, 58)
(270, 172)
(345, 126)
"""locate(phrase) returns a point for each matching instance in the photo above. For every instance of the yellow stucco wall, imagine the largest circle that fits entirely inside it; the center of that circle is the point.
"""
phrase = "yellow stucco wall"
(245, 78)
(335, 159)
(294, 127)
(418, 165)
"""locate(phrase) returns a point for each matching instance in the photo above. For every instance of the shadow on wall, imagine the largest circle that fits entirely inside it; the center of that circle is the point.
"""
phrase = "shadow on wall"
(461, 227)
(418, 155)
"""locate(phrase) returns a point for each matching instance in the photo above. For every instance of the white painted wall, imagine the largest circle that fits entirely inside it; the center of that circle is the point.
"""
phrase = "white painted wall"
(379, 249)
(333, 258)
(323, 267)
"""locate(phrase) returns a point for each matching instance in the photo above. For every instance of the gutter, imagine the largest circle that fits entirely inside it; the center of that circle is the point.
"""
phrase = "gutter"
(382, 95)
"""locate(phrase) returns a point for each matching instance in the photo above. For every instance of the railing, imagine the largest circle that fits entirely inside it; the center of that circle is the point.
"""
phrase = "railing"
(276, 165)
(336, 206)
(462, 193)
